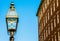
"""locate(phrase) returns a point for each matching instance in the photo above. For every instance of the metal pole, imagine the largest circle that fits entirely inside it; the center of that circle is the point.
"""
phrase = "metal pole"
(12, 36)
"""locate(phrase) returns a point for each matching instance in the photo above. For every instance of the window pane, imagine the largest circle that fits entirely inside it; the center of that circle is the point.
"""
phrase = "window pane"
(52, 26)
(58, 36)
(57, 3)
(54, 22)
(51, 10)
(54, 5)
(52, 39)
(12, 23)
(44, 34)
(48, 2)
(44, 22)
(46, 18)
(48, 15)
(55, 38)
(49, 29)
(57, 17)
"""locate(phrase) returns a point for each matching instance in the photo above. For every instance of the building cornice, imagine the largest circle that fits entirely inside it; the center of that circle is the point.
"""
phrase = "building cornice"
(39, 7)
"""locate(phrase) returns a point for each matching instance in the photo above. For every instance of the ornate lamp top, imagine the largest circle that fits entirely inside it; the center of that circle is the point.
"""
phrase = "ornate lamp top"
(12, 12)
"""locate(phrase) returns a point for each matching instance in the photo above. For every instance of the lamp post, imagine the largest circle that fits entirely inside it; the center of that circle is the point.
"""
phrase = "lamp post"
(12, 21)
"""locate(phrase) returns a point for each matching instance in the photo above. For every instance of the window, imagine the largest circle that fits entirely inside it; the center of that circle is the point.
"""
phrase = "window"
(52, 38)
(48, 15)
(54, 5)
(55, 38)
(46, 18)
(48, 29)
(40, 29)
(42, 26)
(39, 17)
(58, 36)
(57, 17)
(44, 34)
(51, 26)
(57, 3)
(42, 37)
(54, 22)
(44, 22)
(48, 2)
(49, 39)
(51, 10)
(45, 5)
(43, 9)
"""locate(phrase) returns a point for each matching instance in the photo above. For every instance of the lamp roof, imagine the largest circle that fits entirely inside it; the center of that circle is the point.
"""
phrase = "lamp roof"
(12, 12)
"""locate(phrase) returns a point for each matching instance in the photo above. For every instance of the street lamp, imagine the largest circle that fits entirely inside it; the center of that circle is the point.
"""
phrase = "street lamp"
(12, 21)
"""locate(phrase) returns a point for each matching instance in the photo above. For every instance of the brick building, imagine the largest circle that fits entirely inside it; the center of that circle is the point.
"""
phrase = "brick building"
(49, 20)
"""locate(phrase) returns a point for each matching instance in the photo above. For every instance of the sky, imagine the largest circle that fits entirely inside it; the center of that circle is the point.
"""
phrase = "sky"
(27, 29)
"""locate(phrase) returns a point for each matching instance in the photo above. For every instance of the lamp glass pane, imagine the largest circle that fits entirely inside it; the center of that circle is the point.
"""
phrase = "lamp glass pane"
(12, 23)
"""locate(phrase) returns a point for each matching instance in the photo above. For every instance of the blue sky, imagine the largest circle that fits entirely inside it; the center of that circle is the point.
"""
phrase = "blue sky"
(28, 22)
